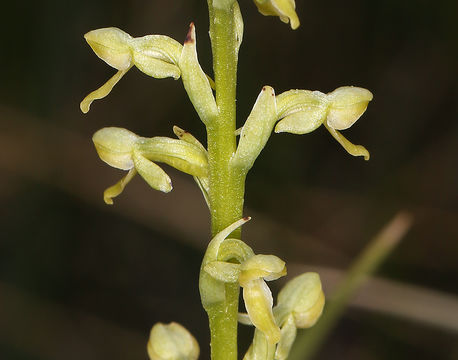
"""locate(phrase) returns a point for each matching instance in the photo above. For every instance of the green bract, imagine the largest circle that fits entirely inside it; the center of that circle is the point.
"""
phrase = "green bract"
(195, 81)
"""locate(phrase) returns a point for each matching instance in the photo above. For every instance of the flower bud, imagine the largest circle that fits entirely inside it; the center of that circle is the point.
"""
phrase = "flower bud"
(112, 46)
(285, 9)
(348, 103)
(115, 145)
(172, 342)
(303, 297)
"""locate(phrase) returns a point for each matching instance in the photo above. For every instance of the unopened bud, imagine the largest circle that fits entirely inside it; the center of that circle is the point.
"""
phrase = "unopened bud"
(172, 342)
(303, 297)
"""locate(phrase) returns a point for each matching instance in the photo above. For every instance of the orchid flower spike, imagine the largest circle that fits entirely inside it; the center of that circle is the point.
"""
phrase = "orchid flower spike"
(122, 149)
(172, 342)
(284, 9)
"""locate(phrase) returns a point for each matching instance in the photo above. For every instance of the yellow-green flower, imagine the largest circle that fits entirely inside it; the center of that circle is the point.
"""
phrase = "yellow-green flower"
(122, 149)
(302, 111)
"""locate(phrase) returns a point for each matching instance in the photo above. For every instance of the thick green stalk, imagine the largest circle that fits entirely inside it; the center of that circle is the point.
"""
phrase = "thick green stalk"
(226, 184)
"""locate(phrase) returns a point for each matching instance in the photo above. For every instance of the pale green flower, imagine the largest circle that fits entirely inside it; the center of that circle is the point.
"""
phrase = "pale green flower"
(302, 111)
(125, 150)
(154, 55)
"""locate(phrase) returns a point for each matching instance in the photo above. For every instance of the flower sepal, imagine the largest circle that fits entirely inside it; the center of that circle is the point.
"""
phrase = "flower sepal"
(284, 9)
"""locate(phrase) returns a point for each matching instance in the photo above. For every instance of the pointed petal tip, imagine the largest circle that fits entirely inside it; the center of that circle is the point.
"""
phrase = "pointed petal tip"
(191, 35)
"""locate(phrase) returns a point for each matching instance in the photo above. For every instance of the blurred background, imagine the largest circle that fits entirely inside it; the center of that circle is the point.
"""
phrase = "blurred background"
(83, 280)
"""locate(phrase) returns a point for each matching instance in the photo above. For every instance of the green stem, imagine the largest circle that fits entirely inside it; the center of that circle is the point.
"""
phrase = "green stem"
(226, 184)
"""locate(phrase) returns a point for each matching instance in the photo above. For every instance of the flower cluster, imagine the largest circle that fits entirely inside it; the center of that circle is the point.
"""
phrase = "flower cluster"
(299, 304)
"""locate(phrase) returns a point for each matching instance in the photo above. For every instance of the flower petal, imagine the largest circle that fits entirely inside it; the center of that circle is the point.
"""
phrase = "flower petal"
(352, 149)
(258, 303)
(223, 271)
(115, 145)
(288, 335)
(301, 111)
(118, 188)
(112, 45)
(102, 91)
(151, 173)
(182, 155)
(285, 9)
(260, 266)
(157, 56)
(348, 103)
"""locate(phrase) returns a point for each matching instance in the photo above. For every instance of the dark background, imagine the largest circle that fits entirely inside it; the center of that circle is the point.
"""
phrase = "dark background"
(82, 280)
